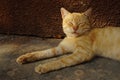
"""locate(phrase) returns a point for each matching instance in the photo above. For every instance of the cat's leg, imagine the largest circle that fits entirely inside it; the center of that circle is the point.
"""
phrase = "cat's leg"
(76, 58)
(37, 55)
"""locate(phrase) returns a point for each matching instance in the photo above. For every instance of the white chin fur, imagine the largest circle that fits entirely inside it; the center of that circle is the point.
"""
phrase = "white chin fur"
(72, 35)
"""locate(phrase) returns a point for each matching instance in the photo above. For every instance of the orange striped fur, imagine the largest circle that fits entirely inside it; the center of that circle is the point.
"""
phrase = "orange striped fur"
(84, 43)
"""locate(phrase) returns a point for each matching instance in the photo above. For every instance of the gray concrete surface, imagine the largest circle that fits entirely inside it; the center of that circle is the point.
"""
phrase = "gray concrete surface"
(13, 46)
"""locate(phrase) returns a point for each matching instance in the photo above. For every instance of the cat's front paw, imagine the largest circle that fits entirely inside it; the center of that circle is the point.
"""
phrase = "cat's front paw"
(41, 69)
(21, 59)
(26, 58)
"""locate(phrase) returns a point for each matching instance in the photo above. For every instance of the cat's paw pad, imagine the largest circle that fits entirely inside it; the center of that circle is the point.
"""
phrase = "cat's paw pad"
(26, 58)
(40, 69)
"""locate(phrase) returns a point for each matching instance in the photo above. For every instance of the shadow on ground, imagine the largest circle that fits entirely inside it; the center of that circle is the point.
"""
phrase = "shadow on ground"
(13, 46)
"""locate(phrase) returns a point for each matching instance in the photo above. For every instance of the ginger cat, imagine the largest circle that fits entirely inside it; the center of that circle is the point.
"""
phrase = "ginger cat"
(84, 43)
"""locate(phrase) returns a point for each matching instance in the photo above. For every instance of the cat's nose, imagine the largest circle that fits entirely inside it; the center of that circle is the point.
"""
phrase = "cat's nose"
(75, 28)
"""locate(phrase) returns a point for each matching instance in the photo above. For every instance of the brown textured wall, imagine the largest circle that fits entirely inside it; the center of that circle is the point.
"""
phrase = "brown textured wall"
(42, 17)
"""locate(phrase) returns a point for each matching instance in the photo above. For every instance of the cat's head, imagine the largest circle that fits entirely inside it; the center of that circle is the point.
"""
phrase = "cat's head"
(75, 24)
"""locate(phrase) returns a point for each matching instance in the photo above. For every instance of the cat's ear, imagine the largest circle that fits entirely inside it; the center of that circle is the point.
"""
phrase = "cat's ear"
(88, 12)
(64, 12)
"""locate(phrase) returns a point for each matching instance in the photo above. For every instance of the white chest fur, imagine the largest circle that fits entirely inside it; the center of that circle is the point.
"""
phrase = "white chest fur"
(69, 43)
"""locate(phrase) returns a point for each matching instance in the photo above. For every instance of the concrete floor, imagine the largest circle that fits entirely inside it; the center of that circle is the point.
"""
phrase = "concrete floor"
(13, 46)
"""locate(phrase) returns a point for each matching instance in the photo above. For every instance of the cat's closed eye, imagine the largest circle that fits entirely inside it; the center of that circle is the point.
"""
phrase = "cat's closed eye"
(70, 23)
(80, 24)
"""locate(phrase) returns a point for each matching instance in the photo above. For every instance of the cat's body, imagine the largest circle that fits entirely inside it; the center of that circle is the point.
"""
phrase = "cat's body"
(83, 42)
(103, 42)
